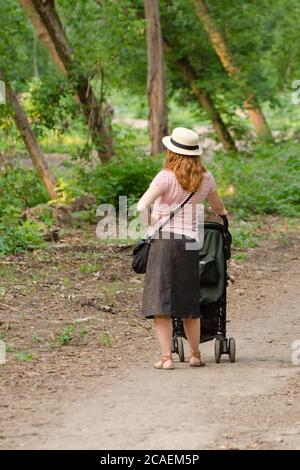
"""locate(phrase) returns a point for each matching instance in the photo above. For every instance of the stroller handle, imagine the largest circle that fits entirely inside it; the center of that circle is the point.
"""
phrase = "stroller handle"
(225, 223)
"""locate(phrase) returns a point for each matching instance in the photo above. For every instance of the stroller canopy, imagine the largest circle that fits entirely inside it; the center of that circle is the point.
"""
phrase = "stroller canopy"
(212, 264)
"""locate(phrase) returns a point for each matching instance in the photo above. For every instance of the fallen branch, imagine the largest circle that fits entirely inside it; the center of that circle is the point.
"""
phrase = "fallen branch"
(9, 307)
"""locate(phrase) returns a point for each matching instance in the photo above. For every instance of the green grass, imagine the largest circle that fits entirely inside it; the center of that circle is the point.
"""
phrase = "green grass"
(82, 332)
(23, 356)
(104, 339)
(8, 272)
(65, 337)
(89, 255)
(37, 339)
(26, 356)
(2, 291)
(62, 143)
(244, 237)
(66, 281)
(110, 288)
(89, 268)
(240, 256)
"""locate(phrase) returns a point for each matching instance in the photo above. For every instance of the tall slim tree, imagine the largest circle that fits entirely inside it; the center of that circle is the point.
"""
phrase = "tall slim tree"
(50, 31)
(204, 99)
(158, 118)
(221, 48)
(34, 150)
(207, 104)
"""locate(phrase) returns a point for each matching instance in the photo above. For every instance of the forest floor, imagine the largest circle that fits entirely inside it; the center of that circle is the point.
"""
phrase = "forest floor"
(79, 359)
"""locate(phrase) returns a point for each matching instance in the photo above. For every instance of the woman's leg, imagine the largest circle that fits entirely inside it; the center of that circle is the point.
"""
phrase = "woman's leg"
(192, 331)
(164, 332)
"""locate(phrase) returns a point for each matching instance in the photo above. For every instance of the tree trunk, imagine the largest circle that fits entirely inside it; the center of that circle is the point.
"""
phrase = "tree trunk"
(158, 119)
(208, 105)
(34, 150)
(43, 15)
(35, 58)
(221, 48)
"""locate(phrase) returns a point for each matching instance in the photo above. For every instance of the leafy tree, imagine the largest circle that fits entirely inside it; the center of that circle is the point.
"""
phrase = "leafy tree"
(50, 30)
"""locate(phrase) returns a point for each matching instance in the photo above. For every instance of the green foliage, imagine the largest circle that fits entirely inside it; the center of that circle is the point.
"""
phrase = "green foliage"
(244, 236)
(10, 138)
(126, 175)
(65, 337)
(88, 268)
(70, 332)
(287, 122)
(45, 215)
(26, 356)
(16, 42)
(10, 348)
(107, 36)
(20, 188)
(17, 235)
(240, 256)
(87, 216)
(265, 181)
(50, 104)
(127, 105)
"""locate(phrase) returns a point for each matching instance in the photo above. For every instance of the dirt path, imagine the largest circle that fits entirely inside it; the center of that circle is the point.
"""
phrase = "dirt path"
(254, 403)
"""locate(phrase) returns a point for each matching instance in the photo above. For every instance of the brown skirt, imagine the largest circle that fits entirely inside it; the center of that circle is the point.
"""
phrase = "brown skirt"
(172, 280)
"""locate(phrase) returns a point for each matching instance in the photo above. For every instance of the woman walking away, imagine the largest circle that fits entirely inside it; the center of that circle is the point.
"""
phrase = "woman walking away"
(171, 286)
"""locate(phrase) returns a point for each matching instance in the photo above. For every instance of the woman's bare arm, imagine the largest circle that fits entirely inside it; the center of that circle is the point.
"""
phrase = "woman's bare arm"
(152, 193)
(216, 203)
(144, 204)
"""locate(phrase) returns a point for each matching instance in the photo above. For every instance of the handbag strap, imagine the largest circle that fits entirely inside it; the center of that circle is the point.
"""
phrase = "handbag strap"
(172, 214)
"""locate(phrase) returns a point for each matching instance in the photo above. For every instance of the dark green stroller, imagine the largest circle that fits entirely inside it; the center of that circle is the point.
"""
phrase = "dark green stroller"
(213, 258)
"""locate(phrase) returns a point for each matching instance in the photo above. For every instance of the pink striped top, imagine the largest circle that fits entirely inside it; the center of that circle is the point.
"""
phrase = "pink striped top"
(185, 221)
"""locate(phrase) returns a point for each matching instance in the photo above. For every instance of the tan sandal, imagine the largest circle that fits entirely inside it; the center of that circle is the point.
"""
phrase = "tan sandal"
(199, 362)
(161, 363)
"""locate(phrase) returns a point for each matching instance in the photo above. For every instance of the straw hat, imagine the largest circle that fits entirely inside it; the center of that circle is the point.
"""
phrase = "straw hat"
(183, 141)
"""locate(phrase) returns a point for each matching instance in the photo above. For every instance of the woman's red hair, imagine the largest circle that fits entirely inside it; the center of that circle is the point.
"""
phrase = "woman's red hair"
(187, 169)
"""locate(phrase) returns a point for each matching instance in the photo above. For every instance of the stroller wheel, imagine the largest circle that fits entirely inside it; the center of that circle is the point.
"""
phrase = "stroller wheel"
(232, 349)
(180, 349)
(218, 347)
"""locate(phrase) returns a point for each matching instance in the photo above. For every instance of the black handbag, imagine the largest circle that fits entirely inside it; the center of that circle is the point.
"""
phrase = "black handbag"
(142, 247)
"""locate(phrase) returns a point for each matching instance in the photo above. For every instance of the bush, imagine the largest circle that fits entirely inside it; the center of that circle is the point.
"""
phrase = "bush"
(128, 175)
(20, 188)
(17, 235)
(263, 182)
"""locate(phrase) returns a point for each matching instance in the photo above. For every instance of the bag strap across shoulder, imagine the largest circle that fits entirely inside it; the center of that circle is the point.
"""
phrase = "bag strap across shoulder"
(171, 216)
